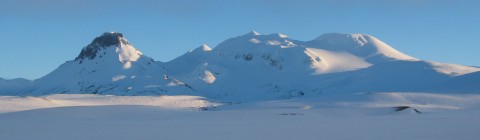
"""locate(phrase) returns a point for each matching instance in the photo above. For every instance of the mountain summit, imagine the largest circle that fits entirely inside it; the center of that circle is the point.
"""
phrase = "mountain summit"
(258, 66)
(110, 39)
(254, 66)
(362, 45)
(105, 41)
(110, 65)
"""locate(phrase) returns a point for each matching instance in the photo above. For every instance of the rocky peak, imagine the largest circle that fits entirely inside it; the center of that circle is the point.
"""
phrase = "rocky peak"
(108, 39)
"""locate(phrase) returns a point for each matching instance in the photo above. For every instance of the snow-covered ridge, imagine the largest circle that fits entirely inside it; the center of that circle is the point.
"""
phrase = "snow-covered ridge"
(339, 86)
(186, 62)
(109, 65)
(362, 45)
(202, 48)
(110, 43)
(108, 39)
(275, 66)
(253, 67)
(15, 103)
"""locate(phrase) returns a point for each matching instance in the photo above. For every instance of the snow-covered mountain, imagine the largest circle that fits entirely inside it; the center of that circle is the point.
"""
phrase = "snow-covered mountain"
(255, 66)
(184, 63)
(364, 46)
(395, 76)
(109, 65)
(467, 83)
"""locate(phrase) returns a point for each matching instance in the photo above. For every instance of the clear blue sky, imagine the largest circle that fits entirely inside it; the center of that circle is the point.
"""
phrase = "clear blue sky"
(38, 35)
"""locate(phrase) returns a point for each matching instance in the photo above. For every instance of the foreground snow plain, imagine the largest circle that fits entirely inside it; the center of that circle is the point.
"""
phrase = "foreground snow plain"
(362, 116)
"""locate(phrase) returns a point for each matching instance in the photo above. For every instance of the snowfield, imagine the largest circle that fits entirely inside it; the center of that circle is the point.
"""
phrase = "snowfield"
(14, 103)
(361, 116)
(249, 87)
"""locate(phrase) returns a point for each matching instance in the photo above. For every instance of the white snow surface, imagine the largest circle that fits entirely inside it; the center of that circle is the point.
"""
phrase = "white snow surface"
(119, 68)
(254, 86)
(17, 103)
(258, 66)
(335, 61)
(253, 67)
(361, 116)
(362, 45)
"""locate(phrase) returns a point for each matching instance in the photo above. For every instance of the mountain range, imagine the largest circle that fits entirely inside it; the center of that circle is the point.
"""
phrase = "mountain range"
(250, 67)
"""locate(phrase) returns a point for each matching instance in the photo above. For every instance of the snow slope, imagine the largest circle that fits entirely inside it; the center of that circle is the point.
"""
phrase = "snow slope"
(109, 65)
(17, 103)
(184, 63)
(395, 76)
(254, 67)
(361, 45)
(258, 66)
(254, 86)
(467, 83)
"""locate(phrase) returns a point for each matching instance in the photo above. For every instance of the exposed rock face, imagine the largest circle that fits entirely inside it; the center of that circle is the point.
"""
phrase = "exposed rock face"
(107, 39)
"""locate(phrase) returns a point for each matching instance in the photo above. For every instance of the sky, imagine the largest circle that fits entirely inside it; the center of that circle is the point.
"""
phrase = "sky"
(38, 36)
